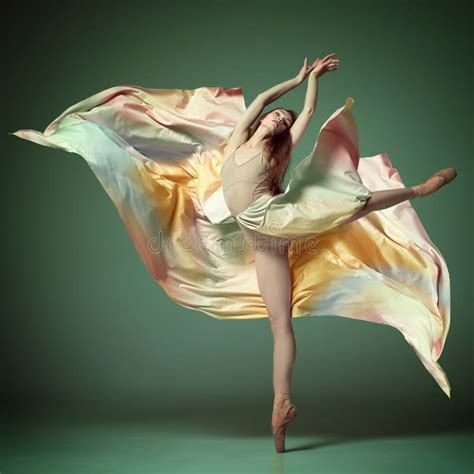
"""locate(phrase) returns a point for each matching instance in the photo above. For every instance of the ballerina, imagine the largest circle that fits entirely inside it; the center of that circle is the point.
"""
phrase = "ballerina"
(169, 160)
(281, 130)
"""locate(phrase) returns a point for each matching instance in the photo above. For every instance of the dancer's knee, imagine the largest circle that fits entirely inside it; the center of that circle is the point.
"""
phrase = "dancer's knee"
(362, 212)
(280, 323)
(367, 207)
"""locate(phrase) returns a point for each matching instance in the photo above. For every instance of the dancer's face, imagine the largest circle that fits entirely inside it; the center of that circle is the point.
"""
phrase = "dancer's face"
(277, 121)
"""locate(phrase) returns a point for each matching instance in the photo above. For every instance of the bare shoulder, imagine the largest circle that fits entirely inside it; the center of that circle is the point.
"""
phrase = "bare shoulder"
(238, 137)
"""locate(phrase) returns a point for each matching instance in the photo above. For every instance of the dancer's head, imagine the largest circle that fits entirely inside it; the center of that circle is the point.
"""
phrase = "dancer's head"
(277, 120)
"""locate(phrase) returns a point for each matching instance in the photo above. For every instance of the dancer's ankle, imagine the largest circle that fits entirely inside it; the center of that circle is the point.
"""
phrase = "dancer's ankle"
(281, 397)
(417, 190)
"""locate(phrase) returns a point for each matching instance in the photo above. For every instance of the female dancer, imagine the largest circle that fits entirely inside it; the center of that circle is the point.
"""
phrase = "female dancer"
(158, 154)
(255, 162)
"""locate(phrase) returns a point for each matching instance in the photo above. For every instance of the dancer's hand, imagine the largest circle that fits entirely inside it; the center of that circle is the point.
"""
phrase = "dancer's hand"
(321, 66)
(304, 71)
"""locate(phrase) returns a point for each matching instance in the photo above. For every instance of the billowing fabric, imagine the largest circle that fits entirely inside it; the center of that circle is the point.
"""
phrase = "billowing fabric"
(157, 153)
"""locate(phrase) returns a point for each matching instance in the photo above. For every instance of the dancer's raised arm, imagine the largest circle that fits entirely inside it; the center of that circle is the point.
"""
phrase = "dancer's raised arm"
(268, 96)
(254, 110)
(317, 69)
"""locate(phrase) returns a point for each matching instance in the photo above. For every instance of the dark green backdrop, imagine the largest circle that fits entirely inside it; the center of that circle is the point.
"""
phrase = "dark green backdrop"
(82, 318)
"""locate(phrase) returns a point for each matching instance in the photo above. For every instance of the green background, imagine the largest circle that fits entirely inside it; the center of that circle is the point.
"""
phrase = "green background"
(84, 323)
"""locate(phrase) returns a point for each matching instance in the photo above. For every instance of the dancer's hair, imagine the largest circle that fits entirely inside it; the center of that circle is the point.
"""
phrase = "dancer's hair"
(278, 153)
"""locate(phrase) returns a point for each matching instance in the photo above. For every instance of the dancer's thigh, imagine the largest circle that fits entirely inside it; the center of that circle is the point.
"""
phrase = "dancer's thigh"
(266, 243)
(273, 273)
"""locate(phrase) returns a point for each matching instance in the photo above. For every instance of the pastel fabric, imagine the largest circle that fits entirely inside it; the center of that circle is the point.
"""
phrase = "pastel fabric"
(158, 152)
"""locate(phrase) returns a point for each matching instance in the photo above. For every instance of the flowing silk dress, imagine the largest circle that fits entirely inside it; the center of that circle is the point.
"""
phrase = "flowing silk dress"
(158, 153)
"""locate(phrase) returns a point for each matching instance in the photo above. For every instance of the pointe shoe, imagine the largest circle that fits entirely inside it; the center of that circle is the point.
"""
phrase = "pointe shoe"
(284, 411)
(435, 182)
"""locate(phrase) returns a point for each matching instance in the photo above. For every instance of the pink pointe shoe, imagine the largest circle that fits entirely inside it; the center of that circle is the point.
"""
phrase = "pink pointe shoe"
(284, 411)
(435, 182)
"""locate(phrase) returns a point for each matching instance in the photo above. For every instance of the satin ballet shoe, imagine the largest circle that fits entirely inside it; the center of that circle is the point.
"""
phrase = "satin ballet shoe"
(435, 182)
(284, 411)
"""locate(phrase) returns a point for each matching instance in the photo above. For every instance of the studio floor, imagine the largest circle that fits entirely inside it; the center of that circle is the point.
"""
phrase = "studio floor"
(85, 440)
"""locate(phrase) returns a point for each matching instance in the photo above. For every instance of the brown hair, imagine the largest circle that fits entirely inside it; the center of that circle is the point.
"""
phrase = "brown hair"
(278, 153)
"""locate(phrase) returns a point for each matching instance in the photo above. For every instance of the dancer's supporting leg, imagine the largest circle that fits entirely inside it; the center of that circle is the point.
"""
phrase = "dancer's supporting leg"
(274, 281)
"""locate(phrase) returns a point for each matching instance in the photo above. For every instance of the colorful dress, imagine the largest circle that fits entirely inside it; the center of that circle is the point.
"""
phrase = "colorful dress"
(158, 154)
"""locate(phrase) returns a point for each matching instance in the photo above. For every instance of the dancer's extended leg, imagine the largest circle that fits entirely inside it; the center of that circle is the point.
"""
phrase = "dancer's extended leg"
(390, 197)
(382, 200)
